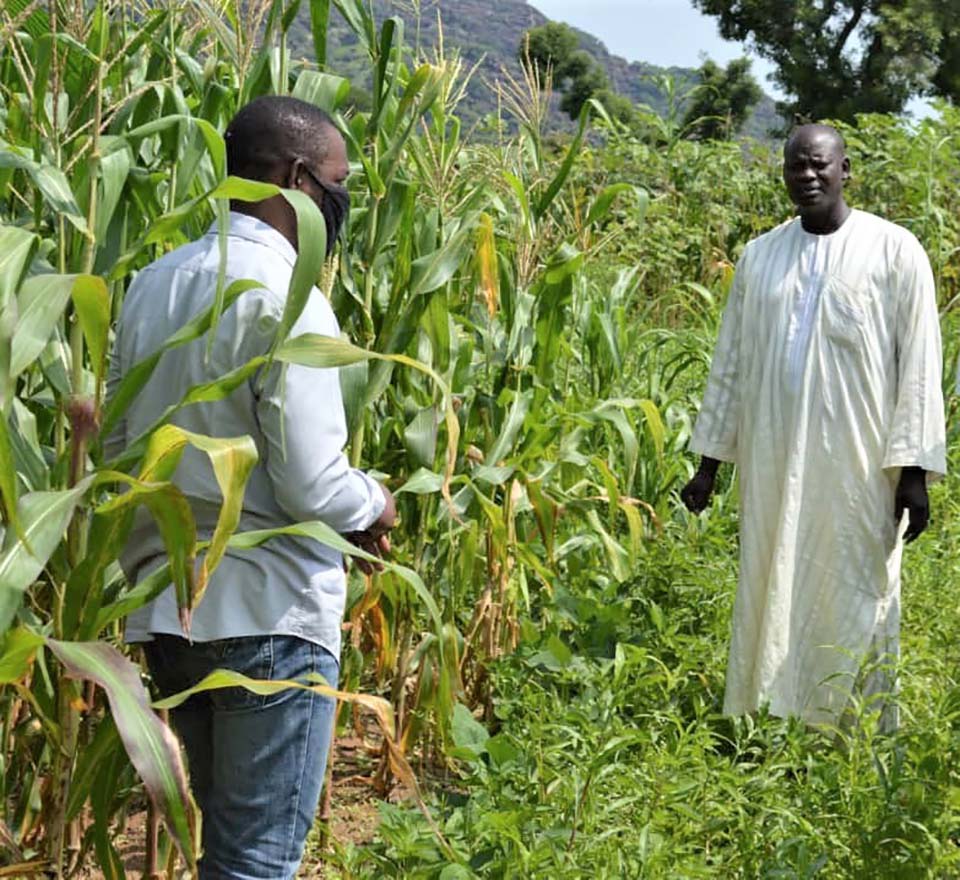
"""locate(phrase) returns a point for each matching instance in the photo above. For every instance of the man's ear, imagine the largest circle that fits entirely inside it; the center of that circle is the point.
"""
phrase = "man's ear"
(295, 175)
(846, 168)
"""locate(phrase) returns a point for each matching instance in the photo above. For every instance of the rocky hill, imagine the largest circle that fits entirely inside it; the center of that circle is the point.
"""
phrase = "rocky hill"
(489, 33)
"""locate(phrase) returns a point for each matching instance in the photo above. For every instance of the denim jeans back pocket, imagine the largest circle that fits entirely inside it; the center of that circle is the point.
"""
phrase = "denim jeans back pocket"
(250, 656)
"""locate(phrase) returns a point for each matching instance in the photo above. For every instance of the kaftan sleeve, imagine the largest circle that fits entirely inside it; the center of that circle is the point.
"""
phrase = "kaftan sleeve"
(715, 433)
(917, 435)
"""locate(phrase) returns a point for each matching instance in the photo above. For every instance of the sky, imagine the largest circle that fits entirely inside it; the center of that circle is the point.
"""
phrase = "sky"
(668, 33)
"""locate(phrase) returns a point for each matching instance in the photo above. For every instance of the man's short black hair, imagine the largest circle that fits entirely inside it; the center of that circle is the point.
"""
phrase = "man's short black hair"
(272, 130)
(818, 128)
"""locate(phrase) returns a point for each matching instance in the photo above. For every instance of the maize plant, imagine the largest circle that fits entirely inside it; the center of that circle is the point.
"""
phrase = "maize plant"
(478, 348)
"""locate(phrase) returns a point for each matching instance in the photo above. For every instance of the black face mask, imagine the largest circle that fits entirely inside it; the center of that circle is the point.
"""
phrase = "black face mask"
(335, 206)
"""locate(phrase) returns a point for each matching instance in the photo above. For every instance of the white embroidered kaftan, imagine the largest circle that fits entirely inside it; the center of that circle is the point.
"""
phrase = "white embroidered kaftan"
(824, 383)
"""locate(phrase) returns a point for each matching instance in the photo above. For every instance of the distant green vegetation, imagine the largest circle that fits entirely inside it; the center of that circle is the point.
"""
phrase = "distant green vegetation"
(533, 316)
(604, 752)
(715, 106)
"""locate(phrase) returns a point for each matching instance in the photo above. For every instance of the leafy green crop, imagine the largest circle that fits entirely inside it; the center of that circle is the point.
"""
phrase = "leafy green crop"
(528, 326)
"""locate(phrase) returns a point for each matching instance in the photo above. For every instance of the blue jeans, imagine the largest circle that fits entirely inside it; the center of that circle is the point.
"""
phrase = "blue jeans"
(256, 763)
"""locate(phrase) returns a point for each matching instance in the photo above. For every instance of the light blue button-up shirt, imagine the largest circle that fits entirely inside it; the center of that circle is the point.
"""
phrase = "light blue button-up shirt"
(287, 586)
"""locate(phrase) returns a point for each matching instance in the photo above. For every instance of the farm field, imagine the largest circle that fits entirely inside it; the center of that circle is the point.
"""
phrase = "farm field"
(532, 688)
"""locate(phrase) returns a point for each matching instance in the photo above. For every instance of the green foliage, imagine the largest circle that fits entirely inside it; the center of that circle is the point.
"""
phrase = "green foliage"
(551, 53)
(722, 101)
(839, 59)
(458, 277)
(608, 755)
(530, 326)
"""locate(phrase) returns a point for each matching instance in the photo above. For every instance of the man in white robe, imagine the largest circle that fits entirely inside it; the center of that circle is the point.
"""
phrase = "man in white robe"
(825, 391)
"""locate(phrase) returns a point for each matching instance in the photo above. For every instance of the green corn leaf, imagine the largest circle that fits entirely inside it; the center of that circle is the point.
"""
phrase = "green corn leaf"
(391, 31)
(560, 178)
(52, 184)
(422, 482)
(168, 225)
(520, 191)
(44, 517)
(221, 17)
(612, 412)
(150, 744)
(108, 532)
(204, 393)
(311, 254)
(617, 557)
(115, 165)
(91, 302)
(40, 305)
(390, 163)
(175, 522)
(289, 14)
(360, 21)
(374, 182)
(507, 437)
(436, 269)
(605, 199)
(28, 454)
(323, 90)
(319, 21)
(224, 678)
(216, 147)
(413, 87)
(17, 650)
(106, 741)
(381, 708)
(565, 262)
(17, 247)
(232, 460)
(655, 426)
(8, 477)
(469, 735)
(313, 350)
(311, 251)
(146, 590)
(320, 531)
(420, 436)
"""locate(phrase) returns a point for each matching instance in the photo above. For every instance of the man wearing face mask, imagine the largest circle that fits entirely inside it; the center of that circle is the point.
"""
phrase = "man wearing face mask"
(256, 762)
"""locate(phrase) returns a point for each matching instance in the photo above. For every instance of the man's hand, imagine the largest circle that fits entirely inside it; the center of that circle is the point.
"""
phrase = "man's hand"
(374, 540)
(911, 496)
(696, 494)
(376, 546)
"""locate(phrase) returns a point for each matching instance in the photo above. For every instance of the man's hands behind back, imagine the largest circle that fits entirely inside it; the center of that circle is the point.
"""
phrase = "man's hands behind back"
(696, 494)
(375, 540)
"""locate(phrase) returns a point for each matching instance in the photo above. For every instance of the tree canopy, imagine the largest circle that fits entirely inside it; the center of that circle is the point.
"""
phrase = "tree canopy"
(836, 58)
(576, 75)
(722, 100)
